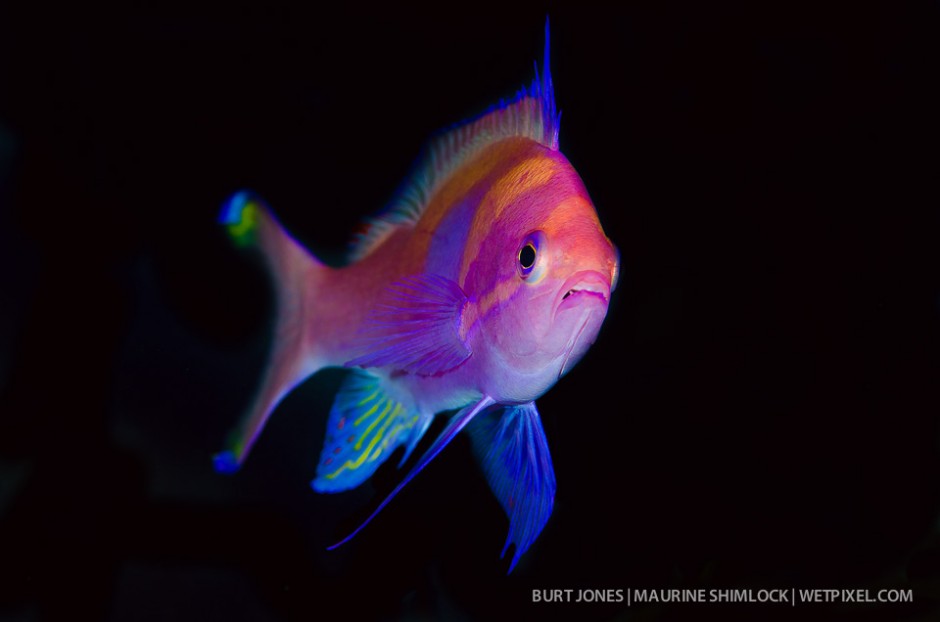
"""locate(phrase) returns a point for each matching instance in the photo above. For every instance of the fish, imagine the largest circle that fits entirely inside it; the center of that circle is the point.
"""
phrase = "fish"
(484, 282)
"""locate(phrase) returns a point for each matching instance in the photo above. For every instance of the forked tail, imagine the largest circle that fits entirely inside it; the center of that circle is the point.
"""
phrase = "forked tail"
(293, 270)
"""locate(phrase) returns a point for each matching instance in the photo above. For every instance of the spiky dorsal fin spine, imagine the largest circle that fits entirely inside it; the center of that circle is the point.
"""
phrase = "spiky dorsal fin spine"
(531, 114)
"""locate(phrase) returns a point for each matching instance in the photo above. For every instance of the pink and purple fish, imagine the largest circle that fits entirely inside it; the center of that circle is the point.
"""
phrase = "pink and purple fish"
(476, 290)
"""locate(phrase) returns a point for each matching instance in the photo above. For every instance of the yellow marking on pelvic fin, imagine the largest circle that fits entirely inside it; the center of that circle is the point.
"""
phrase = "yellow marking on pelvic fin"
(368, 399)
(389, 437)
(394, 432)
(388, 405)
(368, 413)
(349, 464)
(378, 435)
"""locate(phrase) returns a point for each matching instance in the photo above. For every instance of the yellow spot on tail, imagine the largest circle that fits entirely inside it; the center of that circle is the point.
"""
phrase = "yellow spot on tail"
(242, 231)
(238, 449)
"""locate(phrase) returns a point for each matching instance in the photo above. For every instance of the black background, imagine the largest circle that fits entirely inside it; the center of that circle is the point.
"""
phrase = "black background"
(760, 408)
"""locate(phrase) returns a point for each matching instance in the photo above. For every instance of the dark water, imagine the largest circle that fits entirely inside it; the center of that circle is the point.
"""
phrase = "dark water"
(759, 411)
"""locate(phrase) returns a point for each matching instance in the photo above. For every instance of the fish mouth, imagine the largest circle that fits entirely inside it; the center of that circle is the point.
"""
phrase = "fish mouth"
(581, 284)
(588, 292)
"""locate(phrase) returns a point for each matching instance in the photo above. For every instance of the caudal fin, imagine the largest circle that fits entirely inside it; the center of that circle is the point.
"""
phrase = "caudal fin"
(250, 223)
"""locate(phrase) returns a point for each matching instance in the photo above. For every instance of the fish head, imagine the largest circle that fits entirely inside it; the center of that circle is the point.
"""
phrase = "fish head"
(554, 270)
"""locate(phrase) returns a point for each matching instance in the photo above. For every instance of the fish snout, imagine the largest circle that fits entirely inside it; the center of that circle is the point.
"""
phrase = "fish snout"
(579, 312)
(587, 283)
(615, 269)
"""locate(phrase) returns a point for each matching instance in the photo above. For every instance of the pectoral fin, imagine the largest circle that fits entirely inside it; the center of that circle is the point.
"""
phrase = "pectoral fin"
(512, 450)
(415, 326)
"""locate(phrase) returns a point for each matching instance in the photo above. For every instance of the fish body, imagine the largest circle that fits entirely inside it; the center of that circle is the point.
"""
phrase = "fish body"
(483, 284)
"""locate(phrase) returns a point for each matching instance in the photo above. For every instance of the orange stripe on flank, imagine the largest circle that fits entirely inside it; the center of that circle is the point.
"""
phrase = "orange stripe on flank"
(528, 175)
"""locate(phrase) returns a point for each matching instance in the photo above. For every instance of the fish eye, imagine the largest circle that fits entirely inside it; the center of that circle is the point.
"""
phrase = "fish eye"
(527, 256)
(528, 261)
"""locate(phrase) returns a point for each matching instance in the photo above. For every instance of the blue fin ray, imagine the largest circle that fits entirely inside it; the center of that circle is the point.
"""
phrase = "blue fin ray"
(510, 445)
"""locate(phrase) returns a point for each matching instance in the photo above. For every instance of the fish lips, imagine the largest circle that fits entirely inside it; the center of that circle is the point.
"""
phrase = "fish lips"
(580, 308)
(585, 287)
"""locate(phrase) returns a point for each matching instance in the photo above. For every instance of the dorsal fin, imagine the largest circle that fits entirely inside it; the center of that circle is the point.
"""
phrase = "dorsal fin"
(530, 114)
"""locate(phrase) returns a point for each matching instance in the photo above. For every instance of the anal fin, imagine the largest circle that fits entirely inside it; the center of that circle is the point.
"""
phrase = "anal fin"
(456, 424)
(368, 421)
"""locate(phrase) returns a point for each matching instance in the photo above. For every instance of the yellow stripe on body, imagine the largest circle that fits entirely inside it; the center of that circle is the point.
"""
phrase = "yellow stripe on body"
(500, 291)
(528, 175)
(460, 184)
(559, 216)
